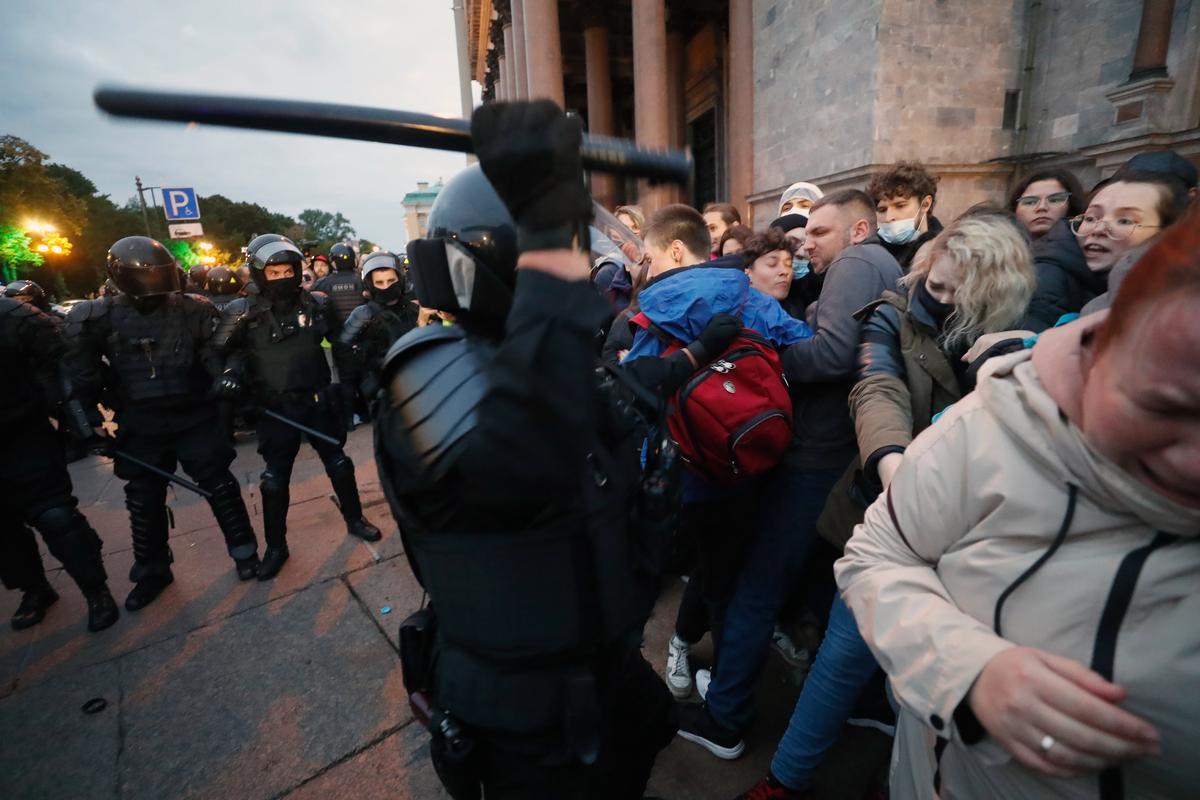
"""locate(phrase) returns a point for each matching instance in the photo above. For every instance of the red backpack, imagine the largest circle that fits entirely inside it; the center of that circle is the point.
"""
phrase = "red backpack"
(732, 420)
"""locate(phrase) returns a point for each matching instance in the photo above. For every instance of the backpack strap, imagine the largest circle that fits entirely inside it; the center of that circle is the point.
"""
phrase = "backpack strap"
(640, 320)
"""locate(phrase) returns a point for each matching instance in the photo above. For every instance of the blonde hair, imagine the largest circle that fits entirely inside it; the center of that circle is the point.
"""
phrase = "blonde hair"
(634, 213)
(998, 278)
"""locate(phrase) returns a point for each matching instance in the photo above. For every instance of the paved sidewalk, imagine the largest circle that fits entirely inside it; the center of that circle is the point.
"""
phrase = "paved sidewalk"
(291, 688)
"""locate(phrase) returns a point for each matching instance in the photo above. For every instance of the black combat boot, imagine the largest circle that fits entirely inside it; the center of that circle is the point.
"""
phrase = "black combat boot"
(230, 511)
(33, 606)
(341, 476)
(147, 590)
(151, 571)
(275, 501)
(102, 609)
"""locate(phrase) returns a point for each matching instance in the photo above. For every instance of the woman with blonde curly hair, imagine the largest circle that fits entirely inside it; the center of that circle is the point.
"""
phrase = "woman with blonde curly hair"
(975, 277)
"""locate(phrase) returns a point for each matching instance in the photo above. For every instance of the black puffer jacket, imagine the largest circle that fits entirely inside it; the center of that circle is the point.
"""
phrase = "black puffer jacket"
(1064, 282)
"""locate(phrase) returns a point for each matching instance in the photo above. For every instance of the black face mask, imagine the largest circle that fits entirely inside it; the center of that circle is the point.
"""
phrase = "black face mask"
(391, 295)
(148, 305)
(281, 290)
(936, 309)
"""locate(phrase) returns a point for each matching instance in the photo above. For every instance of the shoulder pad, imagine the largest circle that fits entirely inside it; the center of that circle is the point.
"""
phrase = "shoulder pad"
(237, 307)
(320, 297)
(435, 378)
(89, 310)
(356, 323)
(17, 308)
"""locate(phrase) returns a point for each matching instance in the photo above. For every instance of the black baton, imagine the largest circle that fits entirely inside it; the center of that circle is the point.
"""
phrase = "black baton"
(364, 123)
(162, 473)
(302, 428)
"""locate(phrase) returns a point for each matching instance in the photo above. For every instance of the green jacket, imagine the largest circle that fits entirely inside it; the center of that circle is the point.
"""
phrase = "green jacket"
(904, 379)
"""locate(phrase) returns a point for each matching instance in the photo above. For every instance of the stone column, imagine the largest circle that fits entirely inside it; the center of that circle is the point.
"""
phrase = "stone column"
(741, 105)
(650, 119)
(502, 81)
(676, 105)
(1154, 39)
(543, 50)
(599, 103)
(517, 50)
(510, 63)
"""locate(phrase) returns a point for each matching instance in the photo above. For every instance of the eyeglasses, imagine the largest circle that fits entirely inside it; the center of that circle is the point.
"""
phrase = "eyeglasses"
(1118, 230)
(1056, 199)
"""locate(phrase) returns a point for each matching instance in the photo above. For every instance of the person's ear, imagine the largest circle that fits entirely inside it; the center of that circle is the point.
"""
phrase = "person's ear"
(860, 231)
(926, 203)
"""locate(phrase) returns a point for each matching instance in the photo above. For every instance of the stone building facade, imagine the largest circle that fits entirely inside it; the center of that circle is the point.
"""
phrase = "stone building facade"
(766, 92)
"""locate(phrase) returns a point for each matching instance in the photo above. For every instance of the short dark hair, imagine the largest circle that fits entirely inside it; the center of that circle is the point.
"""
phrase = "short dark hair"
(856, 200)
(1172, 192)
(729, 213)
(740, 233)
(764, 242)
(905, 179)
(1065, 177)
(681, 222)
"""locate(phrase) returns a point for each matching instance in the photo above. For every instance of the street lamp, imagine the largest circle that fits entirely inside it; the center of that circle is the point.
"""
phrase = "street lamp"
(206, 246)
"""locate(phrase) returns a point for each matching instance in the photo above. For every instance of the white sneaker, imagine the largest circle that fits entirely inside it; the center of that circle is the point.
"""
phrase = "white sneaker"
(678, 672)
(792, 653)
(703, 679)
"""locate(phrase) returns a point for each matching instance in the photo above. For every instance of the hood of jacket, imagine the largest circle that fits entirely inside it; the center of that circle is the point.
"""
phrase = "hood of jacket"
(1037, 393)
(683, 301)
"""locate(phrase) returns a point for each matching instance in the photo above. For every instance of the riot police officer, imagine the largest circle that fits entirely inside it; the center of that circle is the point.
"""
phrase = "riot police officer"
(512, 477)
(271, 341)
(38, 489)
(159, 377)
(223, 286)
(388, 315)
(344, 288)
(29, 292)
(197, 280)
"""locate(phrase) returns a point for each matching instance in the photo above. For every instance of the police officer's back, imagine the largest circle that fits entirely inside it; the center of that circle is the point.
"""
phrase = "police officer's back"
(513, 483)
(342, 285)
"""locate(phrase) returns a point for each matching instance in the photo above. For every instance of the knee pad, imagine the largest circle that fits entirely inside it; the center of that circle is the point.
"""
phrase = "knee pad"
(222, 485)
(275, 480)
(56, 520)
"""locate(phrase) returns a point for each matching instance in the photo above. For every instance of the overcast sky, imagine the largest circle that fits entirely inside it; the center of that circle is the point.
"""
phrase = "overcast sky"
(390, 53)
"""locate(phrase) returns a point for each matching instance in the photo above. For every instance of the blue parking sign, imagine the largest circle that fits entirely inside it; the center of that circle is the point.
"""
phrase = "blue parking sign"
(180, 204)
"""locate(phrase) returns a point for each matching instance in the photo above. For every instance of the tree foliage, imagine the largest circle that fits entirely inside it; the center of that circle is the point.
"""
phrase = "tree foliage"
(34, 189)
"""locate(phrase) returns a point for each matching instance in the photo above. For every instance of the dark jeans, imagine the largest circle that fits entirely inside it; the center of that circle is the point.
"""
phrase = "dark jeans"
(639, 720)
(785, 536)
(721, 531)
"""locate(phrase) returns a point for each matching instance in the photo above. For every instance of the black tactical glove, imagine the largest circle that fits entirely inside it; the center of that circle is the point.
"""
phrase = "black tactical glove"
(529, 151)
(717, 335)
(228, 386)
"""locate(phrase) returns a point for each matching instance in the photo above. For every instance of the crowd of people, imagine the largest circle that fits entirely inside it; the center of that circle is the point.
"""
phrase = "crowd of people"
(969, 448)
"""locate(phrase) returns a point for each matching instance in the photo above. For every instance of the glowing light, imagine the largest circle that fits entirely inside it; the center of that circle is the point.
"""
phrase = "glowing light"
(208, 260)
(43, 248)
(206, 246)
(55, 249)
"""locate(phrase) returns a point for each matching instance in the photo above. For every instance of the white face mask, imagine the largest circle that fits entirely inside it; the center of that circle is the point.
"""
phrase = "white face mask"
(902, 231)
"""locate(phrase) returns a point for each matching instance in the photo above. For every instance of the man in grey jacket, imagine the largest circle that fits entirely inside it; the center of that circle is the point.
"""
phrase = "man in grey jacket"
(820, 371)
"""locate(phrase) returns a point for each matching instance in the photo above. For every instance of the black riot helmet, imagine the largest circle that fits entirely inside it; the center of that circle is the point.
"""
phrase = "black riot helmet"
(222, 280)
(467, 262)
(142, 267)
(384, 260)
(271, 249)
(197, 278)
(28, 291)
(342, 256)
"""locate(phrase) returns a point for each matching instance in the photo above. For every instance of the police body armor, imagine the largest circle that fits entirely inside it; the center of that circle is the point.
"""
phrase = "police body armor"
(345, 291)
(284, 347)
(526, 608)
(20, 396)
(150, 356)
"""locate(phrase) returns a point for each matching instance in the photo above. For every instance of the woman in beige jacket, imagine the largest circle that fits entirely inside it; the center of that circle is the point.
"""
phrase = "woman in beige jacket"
(1031, 579)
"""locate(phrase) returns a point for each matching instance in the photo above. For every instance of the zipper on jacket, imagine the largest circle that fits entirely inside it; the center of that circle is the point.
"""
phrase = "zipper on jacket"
(1104, 652)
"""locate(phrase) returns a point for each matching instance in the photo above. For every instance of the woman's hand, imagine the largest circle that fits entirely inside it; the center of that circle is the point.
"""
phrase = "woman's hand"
(988, 339)
(887, 468)
(1027, 698)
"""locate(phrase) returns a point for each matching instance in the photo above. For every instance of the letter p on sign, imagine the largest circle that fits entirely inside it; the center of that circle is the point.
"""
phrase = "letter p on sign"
(180, 204)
